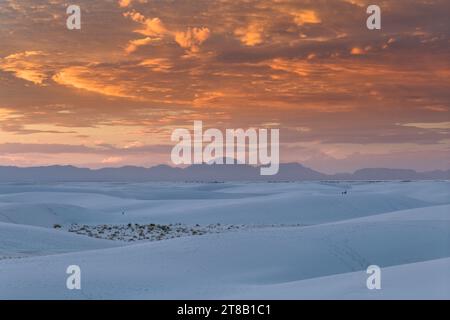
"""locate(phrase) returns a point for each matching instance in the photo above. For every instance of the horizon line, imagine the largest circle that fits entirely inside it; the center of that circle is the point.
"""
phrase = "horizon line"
(214, 164)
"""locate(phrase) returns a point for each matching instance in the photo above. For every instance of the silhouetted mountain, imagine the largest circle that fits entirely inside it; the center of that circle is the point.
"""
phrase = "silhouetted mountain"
(204, 172)
(393, 174)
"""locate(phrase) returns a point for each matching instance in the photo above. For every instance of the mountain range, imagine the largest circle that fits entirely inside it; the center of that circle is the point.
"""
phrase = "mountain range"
(204, 173)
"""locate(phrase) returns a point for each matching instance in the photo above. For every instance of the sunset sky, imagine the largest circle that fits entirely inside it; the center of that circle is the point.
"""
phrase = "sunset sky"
(344, 97)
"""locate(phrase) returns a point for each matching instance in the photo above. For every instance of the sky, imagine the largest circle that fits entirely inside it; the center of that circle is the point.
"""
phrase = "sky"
(110, 94)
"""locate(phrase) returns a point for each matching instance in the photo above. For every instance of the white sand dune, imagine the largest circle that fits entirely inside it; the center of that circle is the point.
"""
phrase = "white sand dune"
(290, 203)
(403, 231)
(47, 214)
(24, 241)
(421, 280)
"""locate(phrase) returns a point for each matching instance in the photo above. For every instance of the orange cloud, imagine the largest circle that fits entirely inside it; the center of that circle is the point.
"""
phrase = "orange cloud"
(112, 160)
(357, 51)
(25, 67)
(84, 78)
(430, 125)
(154, 28)
(300, 67)
(207, 98)
(302, 17)
(157, 64)
(192, 38)
(250, 35)
(308, 73)
(124, 3)
(7, 114)
(127, 3)
(359, 3)
(133, 45)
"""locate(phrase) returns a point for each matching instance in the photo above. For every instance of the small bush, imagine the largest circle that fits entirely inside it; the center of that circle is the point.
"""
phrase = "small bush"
(57, 226)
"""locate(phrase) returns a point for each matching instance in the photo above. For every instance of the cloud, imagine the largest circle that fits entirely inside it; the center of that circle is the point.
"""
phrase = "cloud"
(124, 3)
(357, 51)
(154, 29)
(429, 125)
(359, 3)
(25, 66)
(207, 98)
(133, 45)
(157, 64)
(21, 148)
(300, 67)
(250, 35)
(86, 78)
(7, 114)
(112, 160)
(127, 3)
(231, 63)
(113, 152)
(302, 17)
(192, 38)
(19, 129)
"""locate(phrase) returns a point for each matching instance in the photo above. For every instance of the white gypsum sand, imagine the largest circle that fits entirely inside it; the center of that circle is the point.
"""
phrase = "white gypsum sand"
(292, 240)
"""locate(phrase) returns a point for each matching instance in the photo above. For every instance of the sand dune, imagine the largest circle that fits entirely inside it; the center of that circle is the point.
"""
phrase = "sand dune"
(404, 232)
(24, 241)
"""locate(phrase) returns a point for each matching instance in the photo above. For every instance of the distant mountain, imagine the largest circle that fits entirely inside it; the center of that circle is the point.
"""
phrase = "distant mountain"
(398, 174)
(205, 172)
